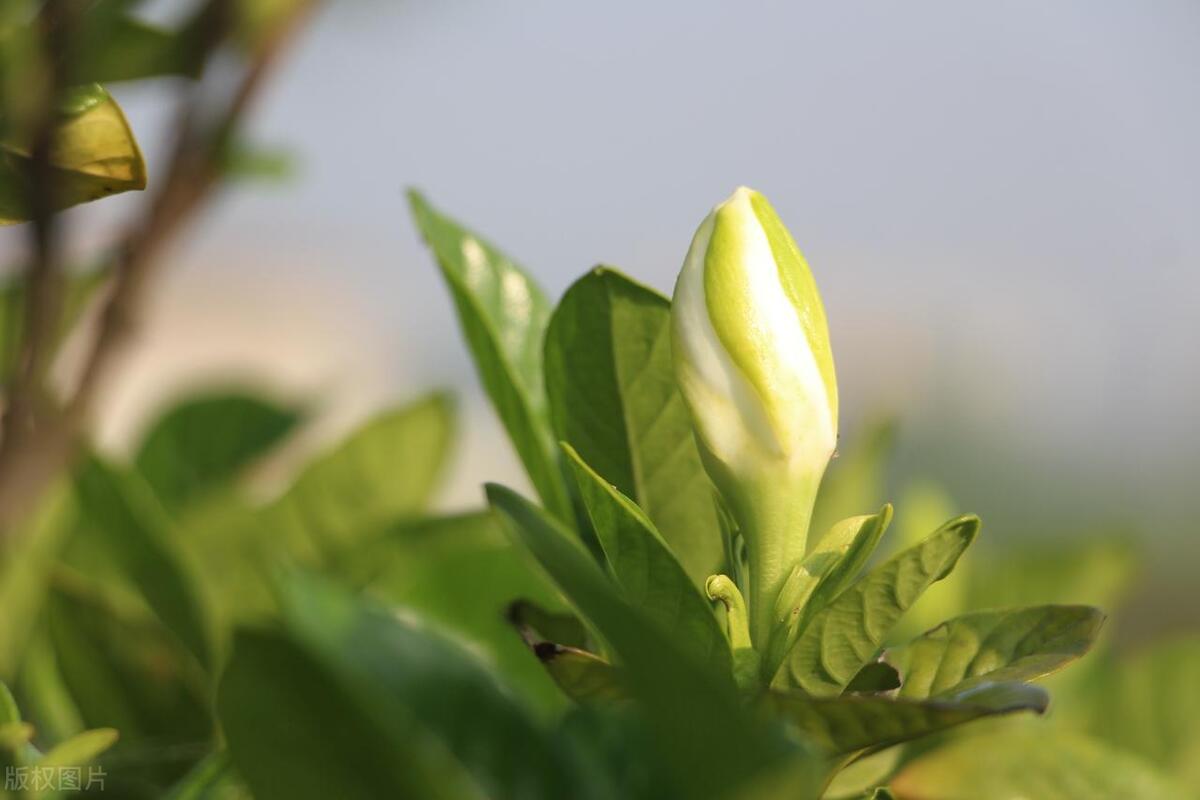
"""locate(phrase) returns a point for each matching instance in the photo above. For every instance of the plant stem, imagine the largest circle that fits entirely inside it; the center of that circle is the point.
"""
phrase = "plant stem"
(775, 527)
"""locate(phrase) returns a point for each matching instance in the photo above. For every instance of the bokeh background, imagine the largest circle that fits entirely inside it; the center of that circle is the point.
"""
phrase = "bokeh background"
(1000, 202)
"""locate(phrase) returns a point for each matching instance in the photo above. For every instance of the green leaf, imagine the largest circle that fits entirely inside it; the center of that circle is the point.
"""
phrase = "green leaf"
(9, 713)
(559, 642)
(294, 732)
(112, 45)
(384, 472)
(613, 397)
(247, 161)
(584, 677)
(651, 579)
(464, 572)
(80, 750)
(16, 738)
(43, 691)
(560, 627)
(853, 540)
(402, 670)
(28, 554)
(1035, 764)
(128, 673)
(95, 155)
(1006, 645)
(16, 735)
(861, 777)
(257, 22)
(846, 634)
(211, 779)
(833, 563)
(1150, 704)
(695, 714)
(923, 505)
(799, 777)
(205, 441)
(503, 315)
(874, 677)
(849, 724)
(135, 531)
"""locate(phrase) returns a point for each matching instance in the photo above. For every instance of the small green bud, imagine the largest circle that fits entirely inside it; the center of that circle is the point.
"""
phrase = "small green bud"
(746, 660)
(753, 362)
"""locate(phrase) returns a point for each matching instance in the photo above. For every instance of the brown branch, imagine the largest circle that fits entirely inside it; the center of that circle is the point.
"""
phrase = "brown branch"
(29, 463)
(42, 281)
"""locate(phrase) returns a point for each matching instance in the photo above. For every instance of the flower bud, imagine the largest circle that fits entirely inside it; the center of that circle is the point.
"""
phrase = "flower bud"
(753, 362)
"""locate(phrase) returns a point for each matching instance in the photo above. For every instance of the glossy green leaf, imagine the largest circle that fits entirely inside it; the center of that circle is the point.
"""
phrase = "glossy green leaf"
(847, 633)
(922, 507)
(205, 441)
(799, 777)
(1034, 764)
(697, 719)
(862, 777)
(1006, 645)
(122, 512)
(612, 393)
(503, 315)
(831, 565)
(463, 572)
(385, 471)
(95, 155)
(650, 577)
(294, 732)
(853, 540)
(612, 747)
(849, 724)
(410, 670)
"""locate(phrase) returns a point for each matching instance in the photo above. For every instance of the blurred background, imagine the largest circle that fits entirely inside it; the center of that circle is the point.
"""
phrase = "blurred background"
(999, 201)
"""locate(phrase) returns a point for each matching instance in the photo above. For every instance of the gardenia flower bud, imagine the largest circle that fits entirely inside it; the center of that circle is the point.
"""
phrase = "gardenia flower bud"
(753, 362)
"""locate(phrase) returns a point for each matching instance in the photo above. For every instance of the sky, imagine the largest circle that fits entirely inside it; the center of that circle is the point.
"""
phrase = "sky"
(999, 202)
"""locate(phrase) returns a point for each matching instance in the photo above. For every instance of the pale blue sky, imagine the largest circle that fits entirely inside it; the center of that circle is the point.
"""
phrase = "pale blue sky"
(999, 200)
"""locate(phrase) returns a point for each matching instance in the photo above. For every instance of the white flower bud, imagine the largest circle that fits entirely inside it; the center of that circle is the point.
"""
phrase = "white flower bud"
(753, 363)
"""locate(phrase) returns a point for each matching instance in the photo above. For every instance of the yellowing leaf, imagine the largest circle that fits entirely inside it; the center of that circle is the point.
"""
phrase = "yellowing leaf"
(94, 155)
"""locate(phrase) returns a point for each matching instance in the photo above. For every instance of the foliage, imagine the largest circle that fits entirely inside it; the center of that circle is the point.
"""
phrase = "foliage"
(163, 620)
(835, 617)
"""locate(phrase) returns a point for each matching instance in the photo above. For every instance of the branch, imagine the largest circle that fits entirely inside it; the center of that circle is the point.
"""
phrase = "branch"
(42, 284)
(29, 463)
